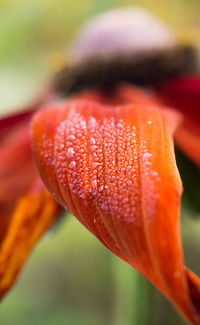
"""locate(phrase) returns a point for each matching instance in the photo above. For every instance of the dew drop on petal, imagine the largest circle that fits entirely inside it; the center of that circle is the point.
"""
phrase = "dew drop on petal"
(70, 153)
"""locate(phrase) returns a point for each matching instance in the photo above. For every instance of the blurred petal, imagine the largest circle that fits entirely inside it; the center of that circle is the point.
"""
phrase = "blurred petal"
(183, 94)
(122, 94)
(190, 175)
(25, 210)
(17, 169)
(34, 212)
(114, 168)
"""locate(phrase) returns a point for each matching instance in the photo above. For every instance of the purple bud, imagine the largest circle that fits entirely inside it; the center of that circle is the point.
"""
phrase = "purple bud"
(121, 31)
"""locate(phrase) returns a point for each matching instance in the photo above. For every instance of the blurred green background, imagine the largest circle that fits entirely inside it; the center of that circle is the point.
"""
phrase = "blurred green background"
(70, 277)
(34, 35)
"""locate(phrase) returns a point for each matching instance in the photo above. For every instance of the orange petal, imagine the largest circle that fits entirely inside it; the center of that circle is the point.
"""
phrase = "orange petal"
(183, 94)
(34, 212)
(114, 168)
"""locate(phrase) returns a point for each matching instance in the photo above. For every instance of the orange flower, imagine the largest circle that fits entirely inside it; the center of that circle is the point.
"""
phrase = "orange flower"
(108, 157)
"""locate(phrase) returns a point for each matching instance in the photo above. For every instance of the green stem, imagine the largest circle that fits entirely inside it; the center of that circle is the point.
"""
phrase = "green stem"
(132, 296)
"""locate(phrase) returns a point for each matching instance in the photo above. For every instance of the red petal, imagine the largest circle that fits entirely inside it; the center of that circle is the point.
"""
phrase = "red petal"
(113, 167)
(17, 169)
(26, 210)
(183, 94)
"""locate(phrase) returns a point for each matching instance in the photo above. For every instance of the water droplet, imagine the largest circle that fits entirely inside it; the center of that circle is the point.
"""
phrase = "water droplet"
(146, 156)
(71, 137)
(94, 165)
(93, 148)
(92, 141)
(101, 188)
(92, 120)
(94, 184)
(70, 153)
(68, 144)
(72, 164)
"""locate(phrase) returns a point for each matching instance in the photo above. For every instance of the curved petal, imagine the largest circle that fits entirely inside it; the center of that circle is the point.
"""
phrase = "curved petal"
(26, 209)
(184, 95)
(114, 168)
(34, 213)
